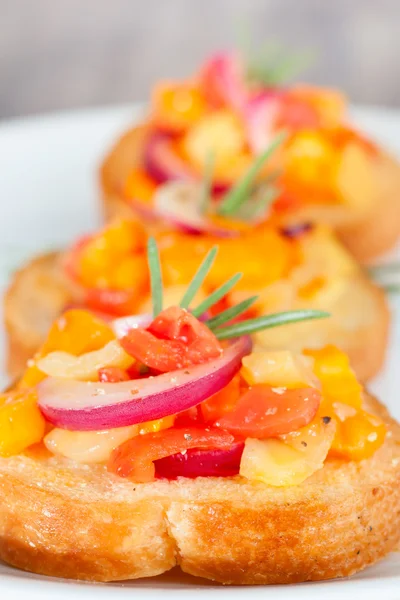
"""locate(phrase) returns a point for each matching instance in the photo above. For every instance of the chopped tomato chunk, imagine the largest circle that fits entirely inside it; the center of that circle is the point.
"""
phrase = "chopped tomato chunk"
(114, 302)
(134, 458)
(113, 374)
(222, 402)
(264, 412)
(174, 340)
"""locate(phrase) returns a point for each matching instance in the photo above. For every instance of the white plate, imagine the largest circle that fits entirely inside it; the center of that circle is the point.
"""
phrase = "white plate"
(48, 195)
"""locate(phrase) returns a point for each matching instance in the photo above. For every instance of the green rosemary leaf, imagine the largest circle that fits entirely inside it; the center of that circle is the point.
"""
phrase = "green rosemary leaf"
(216, 295)
(230, 313)
(199, 277)
(207, 182)
(153, 260)
(266, 322)
(241, 191)
(271, 66)
(253, 209)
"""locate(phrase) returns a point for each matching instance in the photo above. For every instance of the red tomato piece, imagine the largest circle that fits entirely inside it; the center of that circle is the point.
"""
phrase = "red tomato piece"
(222, 402)
(135, 458)
(295, 113)
(112, 302)
(174, 340)
(264, 412)
(161, 355)
(113, 374)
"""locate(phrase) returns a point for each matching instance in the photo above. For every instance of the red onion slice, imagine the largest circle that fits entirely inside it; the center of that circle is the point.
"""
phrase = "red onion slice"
(162, 163)
(88, 406)
(223, 80)
(260, 114)
(201, 463)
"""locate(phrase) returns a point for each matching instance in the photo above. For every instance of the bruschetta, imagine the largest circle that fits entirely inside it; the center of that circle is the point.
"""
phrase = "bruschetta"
(325, 171)
(164, 439)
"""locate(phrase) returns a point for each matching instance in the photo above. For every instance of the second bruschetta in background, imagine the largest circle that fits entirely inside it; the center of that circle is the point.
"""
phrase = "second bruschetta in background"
(325, 171)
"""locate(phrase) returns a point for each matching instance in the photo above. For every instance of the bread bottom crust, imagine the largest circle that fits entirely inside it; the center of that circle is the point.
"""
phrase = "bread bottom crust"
(67, 520)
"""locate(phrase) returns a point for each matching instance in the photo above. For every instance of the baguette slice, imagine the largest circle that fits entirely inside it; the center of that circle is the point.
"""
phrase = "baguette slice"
(359, 323)
(368, 231)
(63, 519)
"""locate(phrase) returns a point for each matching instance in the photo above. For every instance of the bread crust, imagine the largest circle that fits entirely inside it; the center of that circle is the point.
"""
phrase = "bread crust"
(367, 235)
(39, 293)
(61, 519)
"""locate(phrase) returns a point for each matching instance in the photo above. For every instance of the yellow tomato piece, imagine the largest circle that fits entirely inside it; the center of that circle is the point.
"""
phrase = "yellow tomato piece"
(221, 133)
(131, 271)
(157, 425)
(21, 422)
(176, 106)
(76, 332)
(339, 382)
(124, 236)
(288, 461)
(310, 162)
(358, 437)
(139, 186)
(278, 368)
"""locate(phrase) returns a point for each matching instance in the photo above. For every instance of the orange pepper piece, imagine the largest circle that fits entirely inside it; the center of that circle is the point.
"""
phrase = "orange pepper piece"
(21, 422)
(339, 383)
(140, 186)
(358, 437)
(176, 106)
(76, 331)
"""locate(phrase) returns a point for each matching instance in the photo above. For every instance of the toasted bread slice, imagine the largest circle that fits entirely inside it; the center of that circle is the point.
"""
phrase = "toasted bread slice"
(37, 295)
(359, 323)
(368, 232)
(63, 519)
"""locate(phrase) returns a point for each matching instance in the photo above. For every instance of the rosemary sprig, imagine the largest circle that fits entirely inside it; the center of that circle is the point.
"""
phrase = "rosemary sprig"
(153, 259)
(198, 278)
(240, 192)
(207, 182)
(266, 322)
(215, 323)
(272, 66)
(254, 208)
(216, 295)
(230, 313)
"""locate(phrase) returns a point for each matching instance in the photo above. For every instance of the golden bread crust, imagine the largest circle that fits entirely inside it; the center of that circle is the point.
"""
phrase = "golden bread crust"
(124, 156)
(61, 519)
(367, 235)
(379, 230)
(35, 298)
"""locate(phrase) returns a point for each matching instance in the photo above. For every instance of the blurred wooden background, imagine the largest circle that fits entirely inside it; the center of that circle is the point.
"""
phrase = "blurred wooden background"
(57, 54)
